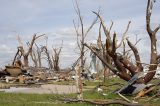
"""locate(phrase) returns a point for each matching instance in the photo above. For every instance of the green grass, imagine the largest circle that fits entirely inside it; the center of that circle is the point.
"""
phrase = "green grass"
(17, 99)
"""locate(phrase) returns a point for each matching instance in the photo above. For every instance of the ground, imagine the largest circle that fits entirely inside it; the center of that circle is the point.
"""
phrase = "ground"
(21, 99)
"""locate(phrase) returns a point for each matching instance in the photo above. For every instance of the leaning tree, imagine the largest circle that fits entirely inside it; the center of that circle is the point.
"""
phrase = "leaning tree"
(122, 66)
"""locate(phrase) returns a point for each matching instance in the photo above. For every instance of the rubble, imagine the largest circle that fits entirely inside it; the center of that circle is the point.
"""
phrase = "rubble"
(31, 75)
(13, 70)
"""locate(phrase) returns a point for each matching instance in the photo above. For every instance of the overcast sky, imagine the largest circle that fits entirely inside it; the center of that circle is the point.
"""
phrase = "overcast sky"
(55, 19)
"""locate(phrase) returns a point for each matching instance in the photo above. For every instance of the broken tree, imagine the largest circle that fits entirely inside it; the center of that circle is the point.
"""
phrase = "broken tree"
(36, 56)
(24, 53)
(81, 36)
(81, 33)
(55, 58)
(122, 66)
(46, 52)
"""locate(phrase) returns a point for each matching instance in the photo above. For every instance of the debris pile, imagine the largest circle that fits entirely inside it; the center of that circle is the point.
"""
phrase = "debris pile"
(32, 75)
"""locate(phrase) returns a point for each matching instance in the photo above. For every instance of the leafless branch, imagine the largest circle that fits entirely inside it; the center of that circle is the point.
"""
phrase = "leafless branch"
(104, 26)
(124, 35)
(111, 27)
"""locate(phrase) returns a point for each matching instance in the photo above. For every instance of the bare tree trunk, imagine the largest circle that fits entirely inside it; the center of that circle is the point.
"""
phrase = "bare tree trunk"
(55, 58)
(44, 48)
(39, 57)
(153, 39)
(79, 82)
(81, 35)
(17, 53)
(25, 60)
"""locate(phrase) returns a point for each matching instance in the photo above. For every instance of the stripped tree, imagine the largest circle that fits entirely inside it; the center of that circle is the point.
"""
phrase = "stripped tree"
(123, 65)
(24, 53)
(81, 34)
(102, 49)
(48, 57)
(55, 57)
(47, 54)
(36, 56)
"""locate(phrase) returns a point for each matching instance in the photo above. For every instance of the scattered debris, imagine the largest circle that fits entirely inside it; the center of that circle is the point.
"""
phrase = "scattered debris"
(146, 90)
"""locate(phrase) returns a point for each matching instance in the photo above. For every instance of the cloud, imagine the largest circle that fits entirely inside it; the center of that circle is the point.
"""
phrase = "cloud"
(66, 31)
(54, 18)
(5, 49)
(6, 54)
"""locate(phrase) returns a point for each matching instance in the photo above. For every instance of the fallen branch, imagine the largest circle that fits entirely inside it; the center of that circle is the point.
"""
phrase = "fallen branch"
(123, 97)
(100, 102)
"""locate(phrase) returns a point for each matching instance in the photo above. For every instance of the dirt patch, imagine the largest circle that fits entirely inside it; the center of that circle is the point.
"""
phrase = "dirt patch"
(44, 89)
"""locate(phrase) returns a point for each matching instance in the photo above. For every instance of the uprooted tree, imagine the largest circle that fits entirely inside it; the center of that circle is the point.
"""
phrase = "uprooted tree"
(122, 66)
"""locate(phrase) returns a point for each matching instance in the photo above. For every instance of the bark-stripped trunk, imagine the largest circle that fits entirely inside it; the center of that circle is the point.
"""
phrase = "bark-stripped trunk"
(123, 64)
(25, 58)
(36, 56)
(153, 39)
(55, 59)
(79, 82)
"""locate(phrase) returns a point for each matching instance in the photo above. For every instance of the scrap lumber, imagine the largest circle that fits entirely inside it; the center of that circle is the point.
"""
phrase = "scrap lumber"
(145, 91)
(130, 82)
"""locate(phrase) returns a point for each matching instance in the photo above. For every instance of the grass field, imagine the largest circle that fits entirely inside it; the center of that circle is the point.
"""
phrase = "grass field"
(16, 99)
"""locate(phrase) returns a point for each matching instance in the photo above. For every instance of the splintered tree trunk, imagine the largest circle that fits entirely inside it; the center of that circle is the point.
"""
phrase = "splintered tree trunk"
(36, 56)
(106, 69)
(50, 64)
(56, 66)
(30, 46)
(49, 60)
(82, 57)
(39, 60)
(25, 57)
(55, 58)
(79, 82)
(123, 67)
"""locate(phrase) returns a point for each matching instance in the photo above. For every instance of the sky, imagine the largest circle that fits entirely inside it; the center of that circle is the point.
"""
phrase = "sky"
(55, 19)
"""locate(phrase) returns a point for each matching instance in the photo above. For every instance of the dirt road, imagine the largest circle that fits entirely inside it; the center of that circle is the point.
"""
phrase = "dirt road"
(44, 89)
